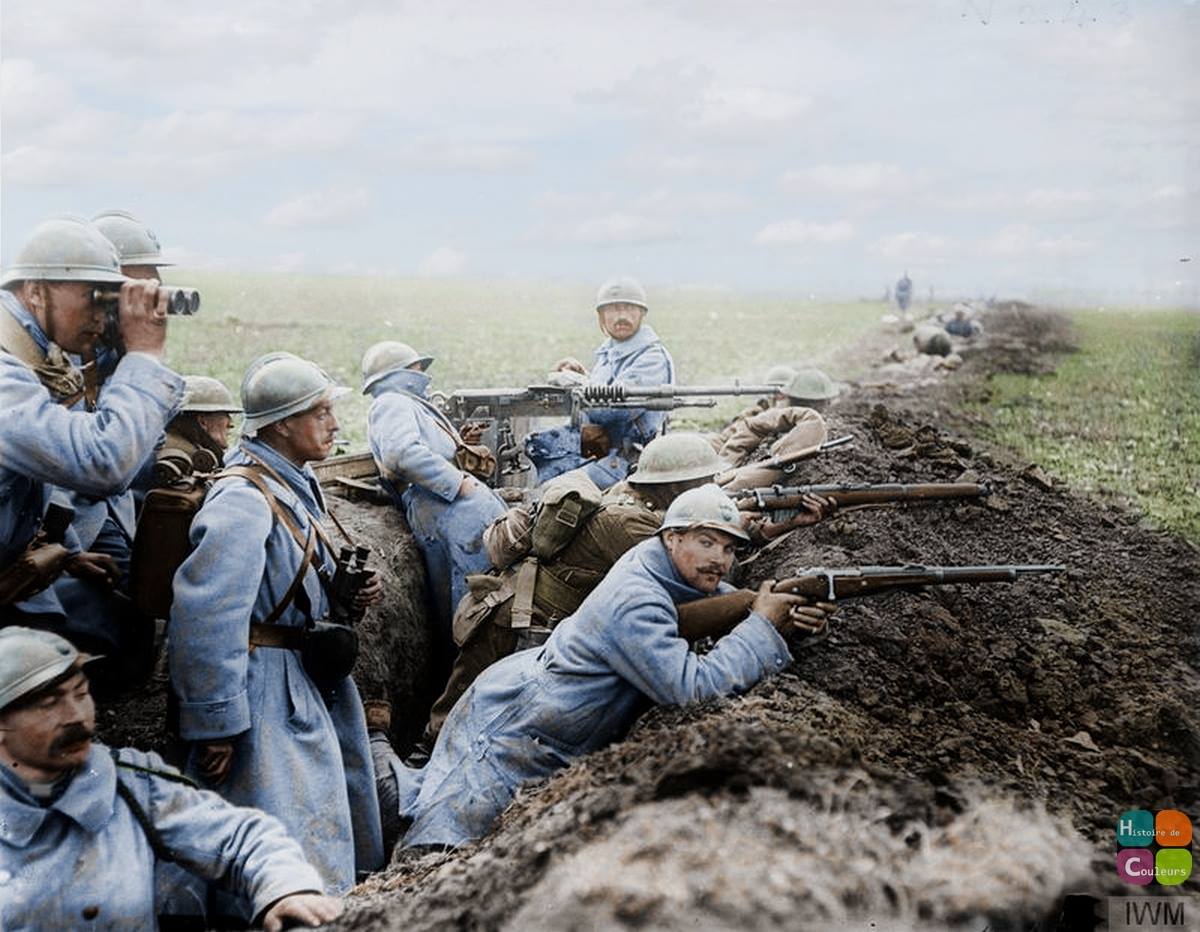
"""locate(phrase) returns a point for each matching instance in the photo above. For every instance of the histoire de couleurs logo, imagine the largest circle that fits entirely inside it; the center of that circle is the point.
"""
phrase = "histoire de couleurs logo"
(1169, 863)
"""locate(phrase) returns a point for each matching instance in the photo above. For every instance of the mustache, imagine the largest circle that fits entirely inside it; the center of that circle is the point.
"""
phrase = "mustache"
(719, 570)
(72, 735)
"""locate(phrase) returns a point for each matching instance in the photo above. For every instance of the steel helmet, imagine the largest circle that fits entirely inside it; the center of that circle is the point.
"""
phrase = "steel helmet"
(203, 395)
(388, 357)
(677, 457)
(283, 385)
(136, 243)
(708, 507)
(29, 659)
(65, 249)
(811, 385)
(622, 291)
(780, 375)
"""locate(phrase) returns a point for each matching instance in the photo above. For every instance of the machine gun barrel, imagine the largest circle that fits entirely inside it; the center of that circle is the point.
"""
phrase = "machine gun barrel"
(600, 395)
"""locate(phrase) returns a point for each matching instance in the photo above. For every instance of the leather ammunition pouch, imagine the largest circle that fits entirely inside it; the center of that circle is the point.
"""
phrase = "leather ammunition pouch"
(35, 568)
(329, 652)
(475, 458)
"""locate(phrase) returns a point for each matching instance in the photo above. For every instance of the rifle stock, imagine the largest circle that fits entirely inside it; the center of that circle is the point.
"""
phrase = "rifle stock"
(718, 615)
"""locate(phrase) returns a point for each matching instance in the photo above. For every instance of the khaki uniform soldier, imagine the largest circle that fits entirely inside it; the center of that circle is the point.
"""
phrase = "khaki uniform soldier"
(197, 438)
(793, 418)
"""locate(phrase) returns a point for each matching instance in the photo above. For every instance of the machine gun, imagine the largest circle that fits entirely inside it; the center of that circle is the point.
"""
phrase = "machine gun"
(497, 407)
(720, 614)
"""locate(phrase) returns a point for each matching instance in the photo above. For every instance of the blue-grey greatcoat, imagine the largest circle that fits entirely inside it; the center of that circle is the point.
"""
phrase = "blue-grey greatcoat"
(640, 360)
(298, 755)
(411, 446)
(533, 712)
(43, 444)
(82, 861)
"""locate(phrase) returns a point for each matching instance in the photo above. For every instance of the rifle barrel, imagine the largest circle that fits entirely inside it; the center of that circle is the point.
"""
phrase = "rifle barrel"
(835, 583)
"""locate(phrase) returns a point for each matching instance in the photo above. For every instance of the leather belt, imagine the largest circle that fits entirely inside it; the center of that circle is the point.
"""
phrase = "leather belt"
(284, 636)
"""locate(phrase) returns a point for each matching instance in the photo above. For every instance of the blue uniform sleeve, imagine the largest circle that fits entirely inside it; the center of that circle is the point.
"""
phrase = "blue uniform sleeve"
(247, 851)
(99, 452)
(215, 593)
(394, 427)
(645, 649)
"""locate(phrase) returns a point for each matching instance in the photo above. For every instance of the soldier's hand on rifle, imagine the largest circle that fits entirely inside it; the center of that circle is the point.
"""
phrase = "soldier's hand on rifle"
(814, 510)
(791, 613)
(571, 364)
(370, 594)
(812, 619)
(213, 759)
(142, 310)
(96, 567)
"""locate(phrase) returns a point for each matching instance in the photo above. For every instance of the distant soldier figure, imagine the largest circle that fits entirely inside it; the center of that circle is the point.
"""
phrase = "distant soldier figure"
(266, 702)
(86, 831)
(961, 325)
(198, 436)
(57, 430)
(932, 340)
(610, 438)
(418, 450)
(536, 711)
(904, 292)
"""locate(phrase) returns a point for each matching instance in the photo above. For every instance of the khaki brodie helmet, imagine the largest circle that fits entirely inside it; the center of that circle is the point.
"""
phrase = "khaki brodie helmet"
(136, 243)
(811, 385)
(29, 659)
(780, 375)
(704, 507)
(623, 290)
(388, 357)
(279, 385)
(65, 249)
(677, 457)
(202, 395)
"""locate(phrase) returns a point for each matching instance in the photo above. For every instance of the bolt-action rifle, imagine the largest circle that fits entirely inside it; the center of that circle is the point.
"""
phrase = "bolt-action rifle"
(719, 614)
(496, 407)
(780, 502)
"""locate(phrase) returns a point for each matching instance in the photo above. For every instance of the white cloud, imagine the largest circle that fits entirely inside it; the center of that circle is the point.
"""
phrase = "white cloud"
(32, 96)
(914, 247)
(36, 165)
(622, 228)
(1020, 241)
(460, 156)
(333, 207)
(443, 262)
(743, 111)
(800, 232)
(865, 178)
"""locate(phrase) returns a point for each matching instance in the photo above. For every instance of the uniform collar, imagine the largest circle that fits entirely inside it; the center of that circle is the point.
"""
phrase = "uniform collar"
(613, 349)
(413, 381)
(652, 555)
(87, 800)
(300, 481)
(23, 317)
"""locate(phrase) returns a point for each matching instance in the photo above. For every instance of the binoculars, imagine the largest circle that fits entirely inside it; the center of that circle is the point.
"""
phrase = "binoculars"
(180, 301)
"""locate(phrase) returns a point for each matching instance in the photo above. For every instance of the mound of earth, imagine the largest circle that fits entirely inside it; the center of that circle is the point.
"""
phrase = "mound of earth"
(945, 758)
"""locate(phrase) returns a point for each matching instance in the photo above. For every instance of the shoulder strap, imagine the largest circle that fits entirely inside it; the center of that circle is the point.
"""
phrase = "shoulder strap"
(161, 849)
(306, 542)
(313, 521)
(442, 421)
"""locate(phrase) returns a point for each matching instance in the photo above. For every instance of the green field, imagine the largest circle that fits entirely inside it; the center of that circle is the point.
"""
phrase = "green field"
(498, 334)
(1120, 417)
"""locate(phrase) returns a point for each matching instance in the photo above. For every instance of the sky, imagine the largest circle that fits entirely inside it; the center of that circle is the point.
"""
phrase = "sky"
(1034, 148)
